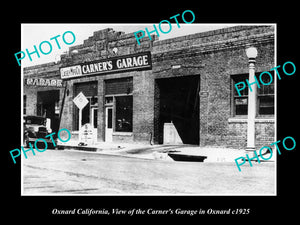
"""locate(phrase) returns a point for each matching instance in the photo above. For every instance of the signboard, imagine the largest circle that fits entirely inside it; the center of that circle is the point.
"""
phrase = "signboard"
(241, 101)
(43, 82)
(138, 61)
(80, 100)
(88, 134)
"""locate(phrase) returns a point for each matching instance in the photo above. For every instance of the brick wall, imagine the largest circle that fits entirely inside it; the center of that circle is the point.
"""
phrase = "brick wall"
(215, 56)
(31, 100)
(237, 133)
(143, 106)
(100, 46)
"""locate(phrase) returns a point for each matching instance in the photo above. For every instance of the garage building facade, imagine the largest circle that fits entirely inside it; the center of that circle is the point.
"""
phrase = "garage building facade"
(178, 90)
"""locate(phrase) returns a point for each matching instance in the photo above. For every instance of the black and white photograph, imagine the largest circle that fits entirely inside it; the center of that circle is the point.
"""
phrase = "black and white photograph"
(149, 112)
(159, 109)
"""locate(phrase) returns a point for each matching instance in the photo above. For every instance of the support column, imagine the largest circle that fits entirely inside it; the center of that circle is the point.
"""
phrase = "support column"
(252, 101)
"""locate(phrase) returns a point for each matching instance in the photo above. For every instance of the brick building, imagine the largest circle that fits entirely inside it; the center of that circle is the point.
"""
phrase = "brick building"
(135, 91)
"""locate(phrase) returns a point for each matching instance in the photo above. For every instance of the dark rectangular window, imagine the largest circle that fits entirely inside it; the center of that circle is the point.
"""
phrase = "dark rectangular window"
(24, 104)
(123, 113)
(95, 117)
(240, 103)
(265, 96)
(109, 117)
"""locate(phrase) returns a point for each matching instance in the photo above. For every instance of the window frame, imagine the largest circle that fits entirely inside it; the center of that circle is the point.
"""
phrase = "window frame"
(113, 104)
(233, 96)
(259, 96)
(24, 104)
(262, 95)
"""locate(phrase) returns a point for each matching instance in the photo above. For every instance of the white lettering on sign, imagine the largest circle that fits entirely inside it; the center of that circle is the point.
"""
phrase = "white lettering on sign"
(97, 67)
(132, 62)
(44, 82)
(138, 61)
(71, 71)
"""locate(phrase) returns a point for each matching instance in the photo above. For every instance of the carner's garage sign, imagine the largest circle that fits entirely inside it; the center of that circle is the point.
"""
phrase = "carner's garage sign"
(139, 61)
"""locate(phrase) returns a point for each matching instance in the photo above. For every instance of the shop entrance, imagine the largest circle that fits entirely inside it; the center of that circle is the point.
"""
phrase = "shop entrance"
(48, 107)
(90, 111)
(177, 102)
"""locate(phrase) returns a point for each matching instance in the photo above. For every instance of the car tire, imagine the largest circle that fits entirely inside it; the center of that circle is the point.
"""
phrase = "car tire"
(26, 143)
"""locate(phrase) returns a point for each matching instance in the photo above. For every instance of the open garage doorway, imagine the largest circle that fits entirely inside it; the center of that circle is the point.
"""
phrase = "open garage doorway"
(177, 102)
(47, 106)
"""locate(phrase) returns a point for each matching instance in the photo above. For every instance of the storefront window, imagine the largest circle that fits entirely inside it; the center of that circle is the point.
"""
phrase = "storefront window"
(123, 114)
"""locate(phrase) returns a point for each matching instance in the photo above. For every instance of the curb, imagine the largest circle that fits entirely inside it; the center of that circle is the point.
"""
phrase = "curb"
(81, 148)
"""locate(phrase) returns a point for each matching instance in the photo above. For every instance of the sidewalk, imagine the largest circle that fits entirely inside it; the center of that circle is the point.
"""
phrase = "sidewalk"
(157, 152)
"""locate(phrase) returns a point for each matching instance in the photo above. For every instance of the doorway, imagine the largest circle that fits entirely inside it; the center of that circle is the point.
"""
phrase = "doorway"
(48, 107)
(177, 102)
(89, 112)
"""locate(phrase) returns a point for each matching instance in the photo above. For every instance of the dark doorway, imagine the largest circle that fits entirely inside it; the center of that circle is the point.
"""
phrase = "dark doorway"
(177, 101)
(47, 106)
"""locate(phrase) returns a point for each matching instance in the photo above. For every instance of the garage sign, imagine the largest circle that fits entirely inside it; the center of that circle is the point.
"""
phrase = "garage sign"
(138, 61)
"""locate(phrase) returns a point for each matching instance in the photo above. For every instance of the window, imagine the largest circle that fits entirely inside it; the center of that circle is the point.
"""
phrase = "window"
(123, 114)
(265, 96)
(240, 103)
(24, 104)
(109, 118)
(118, 95)
(109, 100)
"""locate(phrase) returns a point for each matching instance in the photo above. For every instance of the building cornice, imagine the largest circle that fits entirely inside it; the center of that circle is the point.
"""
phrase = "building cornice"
(197, 49)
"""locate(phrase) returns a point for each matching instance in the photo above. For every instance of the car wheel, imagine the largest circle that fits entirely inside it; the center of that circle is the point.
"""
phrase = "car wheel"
(26, 143)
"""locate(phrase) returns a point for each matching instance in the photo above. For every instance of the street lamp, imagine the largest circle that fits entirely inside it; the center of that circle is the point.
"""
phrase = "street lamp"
(251, 53)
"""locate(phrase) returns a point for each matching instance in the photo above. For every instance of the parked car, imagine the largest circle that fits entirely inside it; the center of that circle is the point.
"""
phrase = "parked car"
(36, 127)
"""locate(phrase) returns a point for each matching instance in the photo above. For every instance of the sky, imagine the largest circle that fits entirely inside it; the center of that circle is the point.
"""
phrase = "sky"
(34, 34)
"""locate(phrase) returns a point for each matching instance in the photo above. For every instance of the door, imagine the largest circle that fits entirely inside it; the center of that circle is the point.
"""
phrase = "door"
(108, 124)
